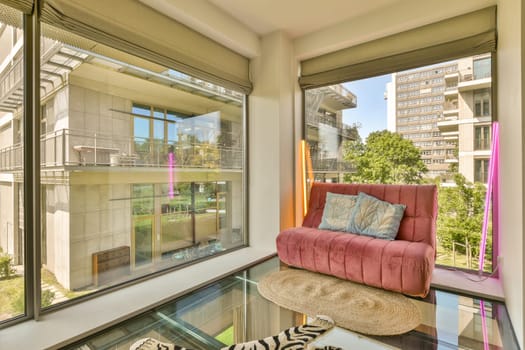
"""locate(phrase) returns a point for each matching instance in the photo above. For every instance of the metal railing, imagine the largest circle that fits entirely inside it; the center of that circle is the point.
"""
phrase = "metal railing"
(331, 164)
(67, 147)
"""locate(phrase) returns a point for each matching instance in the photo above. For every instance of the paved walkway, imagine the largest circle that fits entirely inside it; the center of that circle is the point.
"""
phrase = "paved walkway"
(59, 296)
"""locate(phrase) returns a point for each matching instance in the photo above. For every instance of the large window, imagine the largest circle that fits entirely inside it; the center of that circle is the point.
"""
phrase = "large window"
(362, 131)
(142, 168)
(12, 121)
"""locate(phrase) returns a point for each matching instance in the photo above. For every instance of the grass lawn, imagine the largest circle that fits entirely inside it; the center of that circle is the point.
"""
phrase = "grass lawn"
(12, 294)
(10, 290)
(226, 337)
(444, 257)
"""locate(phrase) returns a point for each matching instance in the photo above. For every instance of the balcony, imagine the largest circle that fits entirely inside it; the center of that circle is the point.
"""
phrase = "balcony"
(73, 148)
(452, 77)
(337, 97)
(450, 135)
(470, 81)
(451, 159)
(448, 124)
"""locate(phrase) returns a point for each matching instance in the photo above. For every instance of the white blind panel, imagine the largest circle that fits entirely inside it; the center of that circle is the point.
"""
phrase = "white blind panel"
(469, 34)
(26, 6)
(135, 28)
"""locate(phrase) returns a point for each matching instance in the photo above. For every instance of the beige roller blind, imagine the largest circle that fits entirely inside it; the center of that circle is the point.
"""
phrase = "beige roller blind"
(135, 28)
(26, 6)
(460, 36)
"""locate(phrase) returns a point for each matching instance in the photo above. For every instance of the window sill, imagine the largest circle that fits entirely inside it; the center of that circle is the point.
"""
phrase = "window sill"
(72, 323)
(458, 281)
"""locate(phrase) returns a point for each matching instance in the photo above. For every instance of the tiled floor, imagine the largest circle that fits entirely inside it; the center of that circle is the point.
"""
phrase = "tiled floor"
(231, 310)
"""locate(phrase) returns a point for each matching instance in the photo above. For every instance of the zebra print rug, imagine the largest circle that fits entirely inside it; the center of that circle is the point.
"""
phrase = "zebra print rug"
(353, 306)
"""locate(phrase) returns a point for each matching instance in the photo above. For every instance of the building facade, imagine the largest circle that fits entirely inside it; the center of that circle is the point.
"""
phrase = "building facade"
(445, 110)
(326, 132)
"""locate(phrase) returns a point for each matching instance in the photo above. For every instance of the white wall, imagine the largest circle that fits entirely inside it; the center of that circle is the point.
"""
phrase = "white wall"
(510, 114)
(271, 162)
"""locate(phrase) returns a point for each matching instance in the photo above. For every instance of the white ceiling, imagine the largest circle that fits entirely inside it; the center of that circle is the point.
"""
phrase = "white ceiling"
(314, 26)
(296, 17)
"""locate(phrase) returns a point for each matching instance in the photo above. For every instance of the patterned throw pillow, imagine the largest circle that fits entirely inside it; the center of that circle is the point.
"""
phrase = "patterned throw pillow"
(376, 218)
(337, 211)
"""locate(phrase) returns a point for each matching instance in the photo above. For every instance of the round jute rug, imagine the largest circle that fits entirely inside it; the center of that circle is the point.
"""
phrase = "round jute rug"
(351, 305)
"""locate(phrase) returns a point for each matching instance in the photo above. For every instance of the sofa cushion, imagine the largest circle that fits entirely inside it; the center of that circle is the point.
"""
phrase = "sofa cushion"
(337, 211)
(374, 217)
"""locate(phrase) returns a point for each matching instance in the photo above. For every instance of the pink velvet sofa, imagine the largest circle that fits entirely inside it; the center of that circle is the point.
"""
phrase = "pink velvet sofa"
(403, 265)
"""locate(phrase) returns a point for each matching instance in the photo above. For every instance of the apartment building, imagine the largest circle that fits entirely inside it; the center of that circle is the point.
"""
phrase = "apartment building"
(445, 110)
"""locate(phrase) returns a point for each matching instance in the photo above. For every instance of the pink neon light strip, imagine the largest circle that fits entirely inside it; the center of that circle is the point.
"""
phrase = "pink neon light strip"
(171, 162)
(492, 192)
(484, 325)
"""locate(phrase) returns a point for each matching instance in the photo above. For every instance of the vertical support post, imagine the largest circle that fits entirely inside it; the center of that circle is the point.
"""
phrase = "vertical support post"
(32, 160)
(454, 254)
(64, 143)
(193, 223)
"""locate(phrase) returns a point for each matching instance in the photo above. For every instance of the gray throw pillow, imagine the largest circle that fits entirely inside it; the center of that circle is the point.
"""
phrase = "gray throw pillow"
(374, 217)
(337, 211)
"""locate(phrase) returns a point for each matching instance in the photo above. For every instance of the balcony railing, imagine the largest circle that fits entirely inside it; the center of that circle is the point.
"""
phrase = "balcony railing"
(68, 147)
(450, 105)
(331, 164)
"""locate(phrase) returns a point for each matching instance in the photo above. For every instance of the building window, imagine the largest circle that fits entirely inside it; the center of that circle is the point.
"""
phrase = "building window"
(482, 68)
(482, 137)
(482, 103)
(481, 170)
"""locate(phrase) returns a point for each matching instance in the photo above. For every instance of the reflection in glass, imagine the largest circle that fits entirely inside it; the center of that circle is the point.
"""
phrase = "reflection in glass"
(143, 239)
(231, 311)
(131, 161)
(12, 286)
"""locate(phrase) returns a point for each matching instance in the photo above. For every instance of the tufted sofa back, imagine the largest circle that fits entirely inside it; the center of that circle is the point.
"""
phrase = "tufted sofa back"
(418, 223)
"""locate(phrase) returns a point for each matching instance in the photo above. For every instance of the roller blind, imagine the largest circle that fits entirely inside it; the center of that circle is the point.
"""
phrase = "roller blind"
(135, 28)
(26, 6)
(469, 34)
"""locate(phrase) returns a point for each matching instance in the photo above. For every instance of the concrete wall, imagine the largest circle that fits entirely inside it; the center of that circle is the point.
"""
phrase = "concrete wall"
(270, 127)
(7, 225)
(96, 223)
(510, 99)
(57, 233)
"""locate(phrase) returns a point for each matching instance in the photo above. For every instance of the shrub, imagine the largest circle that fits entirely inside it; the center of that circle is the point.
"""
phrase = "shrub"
(6, 266)
(47, 297)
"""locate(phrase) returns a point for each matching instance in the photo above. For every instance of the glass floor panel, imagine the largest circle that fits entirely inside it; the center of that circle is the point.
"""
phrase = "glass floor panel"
(232, 311)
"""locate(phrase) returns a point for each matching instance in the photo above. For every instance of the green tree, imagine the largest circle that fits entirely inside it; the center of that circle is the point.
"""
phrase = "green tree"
(461, 212)
(386, 157)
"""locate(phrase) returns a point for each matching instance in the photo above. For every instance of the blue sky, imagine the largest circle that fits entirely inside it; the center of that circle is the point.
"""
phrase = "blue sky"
(371, 111)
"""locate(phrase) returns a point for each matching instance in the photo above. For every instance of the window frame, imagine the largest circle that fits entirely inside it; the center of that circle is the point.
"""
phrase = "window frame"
(32, 186)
